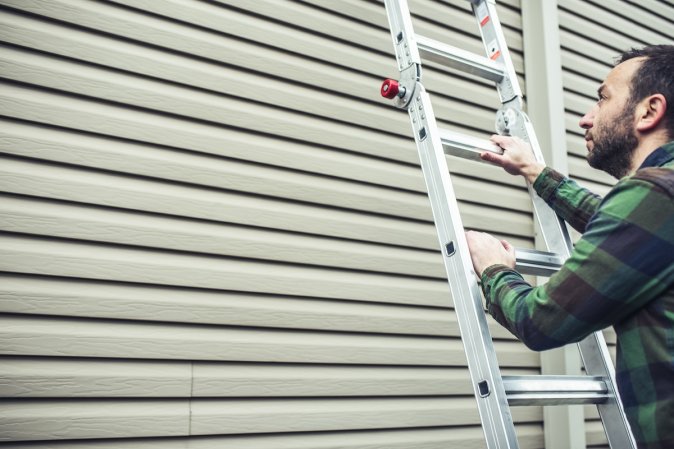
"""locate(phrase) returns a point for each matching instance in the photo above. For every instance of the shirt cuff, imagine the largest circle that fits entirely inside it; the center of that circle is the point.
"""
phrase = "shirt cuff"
(490, 277)
(547, 183)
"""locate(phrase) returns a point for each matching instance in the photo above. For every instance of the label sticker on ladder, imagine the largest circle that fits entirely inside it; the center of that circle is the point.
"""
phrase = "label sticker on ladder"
(493, 51)
(483, 14)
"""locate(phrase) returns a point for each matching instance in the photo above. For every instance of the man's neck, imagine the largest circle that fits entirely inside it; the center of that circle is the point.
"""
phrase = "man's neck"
(645, 148)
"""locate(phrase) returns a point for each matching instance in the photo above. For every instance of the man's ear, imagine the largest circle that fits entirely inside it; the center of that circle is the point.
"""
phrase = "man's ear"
(650, 112)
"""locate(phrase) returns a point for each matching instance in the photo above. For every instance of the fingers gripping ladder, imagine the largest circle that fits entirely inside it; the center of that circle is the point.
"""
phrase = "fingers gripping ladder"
(494, 393)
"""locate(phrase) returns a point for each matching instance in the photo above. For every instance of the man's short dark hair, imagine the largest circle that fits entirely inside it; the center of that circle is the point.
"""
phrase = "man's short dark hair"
(655, 76)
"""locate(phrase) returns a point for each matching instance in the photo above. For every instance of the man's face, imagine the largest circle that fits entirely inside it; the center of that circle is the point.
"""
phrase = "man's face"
(610, 125)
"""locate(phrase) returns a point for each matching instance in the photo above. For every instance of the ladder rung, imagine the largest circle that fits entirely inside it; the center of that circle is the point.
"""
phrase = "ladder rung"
(467, 147)
(459, 59)
(537, 263)
(555, 390)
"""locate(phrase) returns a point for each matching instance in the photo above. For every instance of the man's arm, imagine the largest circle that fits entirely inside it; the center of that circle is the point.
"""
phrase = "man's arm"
(624, 260)
(570, 201)
(575, 204)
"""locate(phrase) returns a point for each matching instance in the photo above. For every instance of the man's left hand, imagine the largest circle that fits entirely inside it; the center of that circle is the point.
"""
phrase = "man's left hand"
(485, 251)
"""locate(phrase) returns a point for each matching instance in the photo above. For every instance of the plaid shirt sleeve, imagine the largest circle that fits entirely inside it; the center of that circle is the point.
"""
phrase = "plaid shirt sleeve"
(571, 202)
(623, 261)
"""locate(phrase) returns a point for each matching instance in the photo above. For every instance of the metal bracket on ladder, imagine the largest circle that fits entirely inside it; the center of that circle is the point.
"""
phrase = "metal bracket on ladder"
(494, 393)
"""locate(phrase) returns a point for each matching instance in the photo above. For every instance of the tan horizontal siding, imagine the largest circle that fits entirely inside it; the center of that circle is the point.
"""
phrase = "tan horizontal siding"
(225, 79)
(212, 77)
(581, 92)
(48, 377)
(336, 27)
(420, 438)
(172, 417)
(298, 415)
(177, 417)
(118, 21)
(86, 338)
(66, 220)
(200, 106)
(205, 70)
(194, 168)
(658, 12)
(66, 183)
(95, 261)
(371, 11)
(61, 297)
(615, 32)
(588, 49)
(634, 22)
(22, 177)
(214, 231)
(54, 377)
(213, 40)
(85, 40)
(70, 337)
(54, 419)
(101, 83)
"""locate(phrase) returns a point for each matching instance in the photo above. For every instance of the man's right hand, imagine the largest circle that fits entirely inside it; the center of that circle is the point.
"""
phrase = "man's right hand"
(517, 157)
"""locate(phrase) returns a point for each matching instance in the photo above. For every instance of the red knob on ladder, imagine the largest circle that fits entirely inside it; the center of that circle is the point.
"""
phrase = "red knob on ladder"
(390, 88)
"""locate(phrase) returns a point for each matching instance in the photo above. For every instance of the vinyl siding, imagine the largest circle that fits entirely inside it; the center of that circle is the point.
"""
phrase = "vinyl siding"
(216, 233)
(592, 34)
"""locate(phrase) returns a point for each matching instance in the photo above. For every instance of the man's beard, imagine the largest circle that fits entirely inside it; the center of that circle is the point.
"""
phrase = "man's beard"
(614, 147)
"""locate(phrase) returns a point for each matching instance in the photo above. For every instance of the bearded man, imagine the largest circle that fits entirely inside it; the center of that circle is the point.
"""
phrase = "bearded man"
(621, 272)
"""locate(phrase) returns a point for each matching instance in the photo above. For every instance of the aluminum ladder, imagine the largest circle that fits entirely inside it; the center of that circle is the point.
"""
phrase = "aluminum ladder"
(494, 393)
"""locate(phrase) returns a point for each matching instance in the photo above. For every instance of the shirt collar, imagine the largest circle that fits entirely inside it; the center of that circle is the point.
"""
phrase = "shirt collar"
(660, 156)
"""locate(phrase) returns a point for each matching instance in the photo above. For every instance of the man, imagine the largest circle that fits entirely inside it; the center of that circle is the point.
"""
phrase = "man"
(621, 272)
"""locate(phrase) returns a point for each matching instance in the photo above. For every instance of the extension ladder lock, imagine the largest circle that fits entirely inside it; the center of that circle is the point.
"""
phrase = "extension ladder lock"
(494, 393)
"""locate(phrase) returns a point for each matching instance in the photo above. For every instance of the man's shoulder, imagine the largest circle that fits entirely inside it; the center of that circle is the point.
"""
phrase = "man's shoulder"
(661, 178)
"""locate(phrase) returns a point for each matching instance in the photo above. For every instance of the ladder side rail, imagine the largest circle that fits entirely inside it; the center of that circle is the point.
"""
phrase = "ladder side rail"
(497, 424)
(496, 48)
(593, 349)
(597, 361)
(493, 408)
(402, 33)
(553, 228)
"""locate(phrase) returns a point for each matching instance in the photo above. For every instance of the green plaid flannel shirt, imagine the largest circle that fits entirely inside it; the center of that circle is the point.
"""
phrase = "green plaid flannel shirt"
(620, 274)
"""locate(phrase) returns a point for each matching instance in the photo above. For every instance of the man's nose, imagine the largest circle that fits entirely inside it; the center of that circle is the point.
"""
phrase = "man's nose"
(587, 120)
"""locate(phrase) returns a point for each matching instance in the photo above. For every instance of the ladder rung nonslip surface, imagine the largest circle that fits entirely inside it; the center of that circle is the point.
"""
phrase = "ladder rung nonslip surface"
(459, 59)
